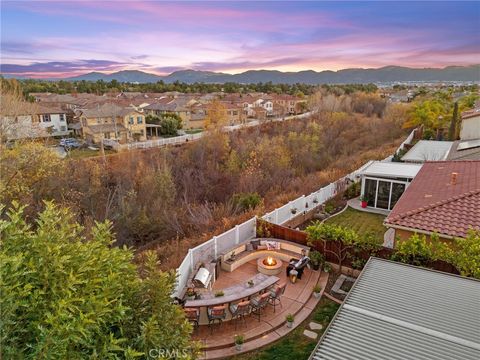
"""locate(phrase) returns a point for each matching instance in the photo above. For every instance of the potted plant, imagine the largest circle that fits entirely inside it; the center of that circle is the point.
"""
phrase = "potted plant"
(294, 211)
(239, 340)
(364, 201)
(290, 318)
(250, 283)
(190, 294)
(316, 259)
(219, 293)
(316, 291)
(327, 267)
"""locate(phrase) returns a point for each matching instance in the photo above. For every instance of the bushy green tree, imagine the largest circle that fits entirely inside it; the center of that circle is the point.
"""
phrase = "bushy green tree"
(345, 239)
(466, 256)
(169, 123)
(66, 297)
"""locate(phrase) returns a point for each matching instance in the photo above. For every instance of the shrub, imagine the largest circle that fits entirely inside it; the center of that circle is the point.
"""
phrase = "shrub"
(358, 263)
(219, 293)
(239, 339)
(353, 190)
(316, 258)
(317, 288)
(290, 318)
(246, 201)
(329, 208)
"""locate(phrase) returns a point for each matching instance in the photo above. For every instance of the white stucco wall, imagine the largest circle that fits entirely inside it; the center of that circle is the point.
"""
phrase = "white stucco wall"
(470, 128)
(57, 122)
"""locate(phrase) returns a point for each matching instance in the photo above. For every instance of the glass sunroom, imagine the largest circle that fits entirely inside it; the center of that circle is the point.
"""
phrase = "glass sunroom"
(383, 183)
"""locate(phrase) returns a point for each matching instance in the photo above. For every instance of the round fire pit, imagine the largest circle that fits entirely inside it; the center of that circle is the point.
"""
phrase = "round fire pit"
(269, 265)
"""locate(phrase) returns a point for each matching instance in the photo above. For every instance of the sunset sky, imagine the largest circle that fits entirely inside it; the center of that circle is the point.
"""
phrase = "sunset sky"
(60, 39)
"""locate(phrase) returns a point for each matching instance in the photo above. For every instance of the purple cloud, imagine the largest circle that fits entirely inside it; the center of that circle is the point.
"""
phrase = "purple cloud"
(62, 66)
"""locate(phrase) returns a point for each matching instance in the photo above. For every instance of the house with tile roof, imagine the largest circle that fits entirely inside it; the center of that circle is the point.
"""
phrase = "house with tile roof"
(443, 198)
(111, 121)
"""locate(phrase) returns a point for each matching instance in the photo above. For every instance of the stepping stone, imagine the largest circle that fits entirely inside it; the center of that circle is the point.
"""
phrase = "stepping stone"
(310, 334)
(315, 326)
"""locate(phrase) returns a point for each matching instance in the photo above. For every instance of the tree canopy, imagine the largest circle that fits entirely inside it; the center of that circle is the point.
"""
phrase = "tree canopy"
(68, 297)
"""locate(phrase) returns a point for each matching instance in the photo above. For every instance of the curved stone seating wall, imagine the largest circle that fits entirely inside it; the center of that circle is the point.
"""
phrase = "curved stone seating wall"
(288, 250)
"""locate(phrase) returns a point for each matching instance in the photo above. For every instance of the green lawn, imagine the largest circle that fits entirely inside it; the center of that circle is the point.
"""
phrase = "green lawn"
(296, 345)
(360, 221)
(84, 153)
(193, 131)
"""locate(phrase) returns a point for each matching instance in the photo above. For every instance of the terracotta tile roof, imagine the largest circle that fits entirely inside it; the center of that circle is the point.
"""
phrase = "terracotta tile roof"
(471, 113)
(433, 203)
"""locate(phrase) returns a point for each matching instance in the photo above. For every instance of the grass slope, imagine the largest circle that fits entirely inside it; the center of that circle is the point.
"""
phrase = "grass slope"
(360, 221)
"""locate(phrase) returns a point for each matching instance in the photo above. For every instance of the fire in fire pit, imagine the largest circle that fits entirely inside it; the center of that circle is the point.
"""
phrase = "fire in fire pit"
(269, 261)
(269, 265)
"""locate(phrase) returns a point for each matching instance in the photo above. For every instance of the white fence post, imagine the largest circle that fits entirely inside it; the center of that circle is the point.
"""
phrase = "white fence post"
(215, 246)
(237, 234)
(190, 253)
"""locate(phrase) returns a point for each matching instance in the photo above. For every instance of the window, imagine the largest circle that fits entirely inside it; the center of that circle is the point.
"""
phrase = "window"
(46, 118)
(397, 191)
(106, 135)
(370, 191)
(63, 128)
(235, 113)
(383, 195)
(99, 121)
(62, 117)
(131, 120)
(139, 120)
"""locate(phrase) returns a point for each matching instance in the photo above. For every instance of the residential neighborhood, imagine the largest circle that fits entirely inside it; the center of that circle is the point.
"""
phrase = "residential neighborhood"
(122, 117)
(234, 180)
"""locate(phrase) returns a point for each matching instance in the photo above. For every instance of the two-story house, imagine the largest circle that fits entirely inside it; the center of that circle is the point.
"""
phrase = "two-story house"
(110, 121)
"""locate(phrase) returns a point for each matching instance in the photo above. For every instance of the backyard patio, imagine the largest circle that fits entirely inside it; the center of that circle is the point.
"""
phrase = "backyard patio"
(218, 340)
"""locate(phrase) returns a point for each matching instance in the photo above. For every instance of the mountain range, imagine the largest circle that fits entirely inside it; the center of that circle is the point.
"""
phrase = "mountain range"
(386, 74)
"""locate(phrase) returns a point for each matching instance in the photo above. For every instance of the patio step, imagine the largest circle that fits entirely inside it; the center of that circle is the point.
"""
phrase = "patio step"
(278, 329)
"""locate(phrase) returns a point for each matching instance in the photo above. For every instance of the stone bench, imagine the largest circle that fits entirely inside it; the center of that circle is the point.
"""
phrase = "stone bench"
(287, 251)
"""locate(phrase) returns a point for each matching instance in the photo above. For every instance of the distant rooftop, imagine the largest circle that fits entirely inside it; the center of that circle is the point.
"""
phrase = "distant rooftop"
(428, 150)
(397, 311)
(392, 169)
(465, 150)
(471, 113)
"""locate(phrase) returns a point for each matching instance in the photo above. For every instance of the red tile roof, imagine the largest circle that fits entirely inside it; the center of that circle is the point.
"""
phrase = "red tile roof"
(432, 203)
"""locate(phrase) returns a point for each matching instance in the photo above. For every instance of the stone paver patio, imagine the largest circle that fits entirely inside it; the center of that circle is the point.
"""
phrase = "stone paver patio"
(297, 300)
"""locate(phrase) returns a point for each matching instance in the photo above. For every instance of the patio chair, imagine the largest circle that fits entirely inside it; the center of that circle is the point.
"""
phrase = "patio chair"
(193, 316)
(239, 311)
(259, 303)
(216, 314)
(276, 295)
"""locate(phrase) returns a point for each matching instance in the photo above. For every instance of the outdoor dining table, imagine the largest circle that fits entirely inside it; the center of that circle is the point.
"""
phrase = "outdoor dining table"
(233, 294)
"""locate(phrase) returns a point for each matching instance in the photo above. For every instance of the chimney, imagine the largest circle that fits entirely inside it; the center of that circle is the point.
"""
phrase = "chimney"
(453, 178)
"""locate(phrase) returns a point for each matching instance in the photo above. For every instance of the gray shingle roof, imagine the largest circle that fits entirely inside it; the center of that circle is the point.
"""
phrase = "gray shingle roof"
(397, 311)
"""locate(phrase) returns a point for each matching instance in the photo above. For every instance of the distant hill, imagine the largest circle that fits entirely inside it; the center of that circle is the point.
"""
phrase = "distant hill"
(346, 76)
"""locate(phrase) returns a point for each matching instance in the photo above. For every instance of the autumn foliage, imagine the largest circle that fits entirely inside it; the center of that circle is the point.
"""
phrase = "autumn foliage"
(171, 198)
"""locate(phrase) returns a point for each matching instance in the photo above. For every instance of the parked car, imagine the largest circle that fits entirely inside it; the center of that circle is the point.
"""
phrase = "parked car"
(70, 143)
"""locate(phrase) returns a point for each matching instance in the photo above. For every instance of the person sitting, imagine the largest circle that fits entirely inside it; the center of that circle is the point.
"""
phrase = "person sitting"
(298, 265)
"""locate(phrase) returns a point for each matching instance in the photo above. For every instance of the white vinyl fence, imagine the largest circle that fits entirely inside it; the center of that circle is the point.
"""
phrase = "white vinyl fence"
(214, 247)
(153, 143)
